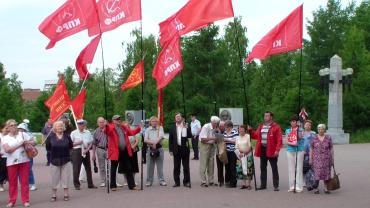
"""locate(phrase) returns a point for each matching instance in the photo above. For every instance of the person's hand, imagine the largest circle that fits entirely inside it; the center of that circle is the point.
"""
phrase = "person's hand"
(171, 154)
(154, 146)
(241, 154)
(93, 157)
(276, 154)
(249, 128)
(310, 162)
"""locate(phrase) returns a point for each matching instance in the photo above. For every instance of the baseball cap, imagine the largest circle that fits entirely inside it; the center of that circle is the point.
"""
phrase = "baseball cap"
(116, 117)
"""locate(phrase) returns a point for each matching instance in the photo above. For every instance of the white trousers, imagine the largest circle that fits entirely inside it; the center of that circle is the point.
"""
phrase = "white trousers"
(291, 169)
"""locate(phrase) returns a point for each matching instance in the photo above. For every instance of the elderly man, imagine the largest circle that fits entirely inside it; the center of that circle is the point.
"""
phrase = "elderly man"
(179, 136)
(82, 143)
(208, 151)
(120, 151)
(100, 144)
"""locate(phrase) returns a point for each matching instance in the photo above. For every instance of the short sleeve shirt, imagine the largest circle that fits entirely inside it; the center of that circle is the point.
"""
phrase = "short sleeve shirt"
(19, 155)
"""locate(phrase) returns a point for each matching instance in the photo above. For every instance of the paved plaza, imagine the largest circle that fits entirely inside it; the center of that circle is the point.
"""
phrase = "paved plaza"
(352, 162)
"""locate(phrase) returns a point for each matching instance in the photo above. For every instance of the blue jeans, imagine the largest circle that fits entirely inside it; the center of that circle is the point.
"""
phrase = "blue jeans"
(31, 178)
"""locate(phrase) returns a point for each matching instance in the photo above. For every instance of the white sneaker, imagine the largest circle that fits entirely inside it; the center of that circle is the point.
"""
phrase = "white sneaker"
(119, 185)
(102, 185)
(2, 189)
(82, 181)
(33, 188)
(163, 183)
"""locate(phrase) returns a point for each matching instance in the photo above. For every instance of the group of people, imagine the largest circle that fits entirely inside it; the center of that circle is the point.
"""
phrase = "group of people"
(115, 146)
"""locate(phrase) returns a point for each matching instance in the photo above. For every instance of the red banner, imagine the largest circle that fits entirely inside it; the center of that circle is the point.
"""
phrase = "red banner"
(113, 13)
(284, 37)
(136, 77)
(193, 16)
(78, 105)
(169, 63)
(86, 57)
(72, 17)
(160, 107)
(59, 102)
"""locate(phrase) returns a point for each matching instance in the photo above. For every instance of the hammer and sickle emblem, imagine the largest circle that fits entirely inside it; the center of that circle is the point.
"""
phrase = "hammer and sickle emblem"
(112, 6)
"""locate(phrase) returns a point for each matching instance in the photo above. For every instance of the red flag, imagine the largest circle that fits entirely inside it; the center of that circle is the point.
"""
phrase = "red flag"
(169, 63)
(86, 57)
(59, 102)
(284, 37)
(113, 13)
(136, 77)
(160, 107)
(193, 16)
(78, 105)
(72, 17)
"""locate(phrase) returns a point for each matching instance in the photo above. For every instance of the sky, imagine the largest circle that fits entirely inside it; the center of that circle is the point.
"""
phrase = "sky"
(22, 46)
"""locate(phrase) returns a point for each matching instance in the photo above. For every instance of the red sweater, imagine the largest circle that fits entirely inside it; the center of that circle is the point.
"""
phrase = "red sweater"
(274, 140)
(113, 140)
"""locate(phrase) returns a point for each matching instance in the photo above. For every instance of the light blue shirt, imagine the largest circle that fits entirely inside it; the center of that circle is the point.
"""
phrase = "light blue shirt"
(300, 146)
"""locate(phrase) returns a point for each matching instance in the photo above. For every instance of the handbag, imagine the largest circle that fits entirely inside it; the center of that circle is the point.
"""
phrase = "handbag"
(293, 138)
(154, 153)
(31, 150)
(222, 154)
(333, 183)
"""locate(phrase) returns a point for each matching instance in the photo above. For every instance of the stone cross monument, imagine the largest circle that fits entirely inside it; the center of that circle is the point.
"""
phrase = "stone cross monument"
(335, 106)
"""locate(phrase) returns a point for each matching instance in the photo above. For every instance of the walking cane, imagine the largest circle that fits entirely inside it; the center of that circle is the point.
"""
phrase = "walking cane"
(187, 141)
(107, 164)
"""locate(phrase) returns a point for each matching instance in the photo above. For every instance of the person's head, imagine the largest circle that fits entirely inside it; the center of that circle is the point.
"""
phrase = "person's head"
(153, 121)
(321, 129)
(178, 118)
(308, 125)
(59, 127)
(81, 124)
(116, 119)
(215, 121)
(193, 117)
(268, 116)
(225, 115)
(229, 125)
(22, 127)
(49, 121)
(11, 125)
(221, 126)
(294, 121)
(303, 109)
(101, 122)
(243, 130)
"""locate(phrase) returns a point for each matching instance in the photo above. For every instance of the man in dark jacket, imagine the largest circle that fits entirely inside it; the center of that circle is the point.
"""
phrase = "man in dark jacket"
(179, 136)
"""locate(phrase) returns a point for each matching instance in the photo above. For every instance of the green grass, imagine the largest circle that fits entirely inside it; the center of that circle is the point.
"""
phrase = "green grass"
(360, 136)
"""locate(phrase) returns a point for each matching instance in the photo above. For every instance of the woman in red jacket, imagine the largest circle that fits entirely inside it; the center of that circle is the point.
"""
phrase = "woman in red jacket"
(120, 151)
(269, 142)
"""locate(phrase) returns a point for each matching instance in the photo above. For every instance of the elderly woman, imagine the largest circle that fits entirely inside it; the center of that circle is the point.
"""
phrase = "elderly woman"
(243, 145)
(154, 157)
(18, 163)
(230, 136)
(321, 157)
(295, 155)
(60, 144)
(308, 135)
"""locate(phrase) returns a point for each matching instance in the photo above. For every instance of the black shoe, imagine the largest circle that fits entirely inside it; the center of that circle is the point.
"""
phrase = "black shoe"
(195, 158)
(231, 186)
(187, 185)
(47, 164)
(261, 188)
(203, 185)
(276, 189)
(77, 188)
(92, 187)
(176, 185)
(220, 184)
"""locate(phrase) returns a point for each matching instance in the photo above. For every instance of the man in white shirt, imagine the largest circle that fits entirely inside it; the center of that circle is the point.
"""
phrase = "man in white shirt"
(208, 151)
(82, 142)
(195, 130)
